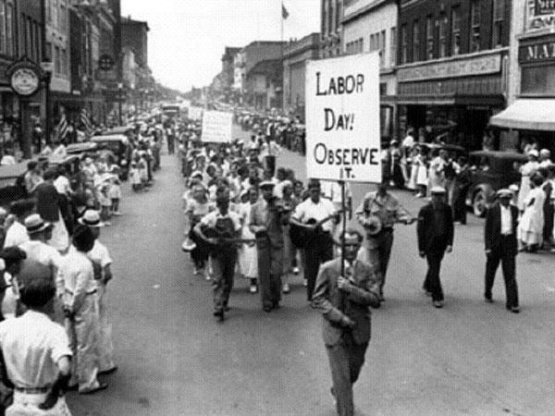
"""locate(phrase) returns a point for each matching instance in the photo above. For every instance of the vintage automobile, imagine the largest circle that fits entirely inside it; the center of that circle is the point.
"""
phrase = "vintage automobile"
(490, 171)
(128, 131)
(118, 145)
(10, 190)
(81, 148)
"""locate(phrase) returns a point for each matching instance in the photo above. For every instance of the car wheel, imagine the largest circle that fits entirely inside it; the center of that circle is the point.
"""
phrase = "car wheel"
(479, 204)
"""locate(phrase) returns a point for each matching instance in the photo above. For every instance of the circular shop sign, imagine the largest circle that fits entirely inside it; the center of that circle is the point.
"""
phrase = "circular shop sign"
(25, 81)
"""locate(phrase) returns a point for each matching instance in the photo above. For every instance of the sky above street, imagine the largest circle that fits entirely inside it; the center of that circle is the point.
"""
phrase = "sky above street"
(187, 38)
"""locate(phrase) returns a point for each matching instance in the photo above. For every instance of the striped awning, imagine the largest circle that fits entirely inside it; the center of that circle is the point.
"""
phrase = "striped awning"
(527, 114)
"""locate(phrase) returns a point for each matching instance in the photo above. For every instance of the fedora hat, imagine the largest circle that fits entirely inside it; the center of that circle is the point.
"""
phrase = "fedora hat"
(35, 224)
(91, 218)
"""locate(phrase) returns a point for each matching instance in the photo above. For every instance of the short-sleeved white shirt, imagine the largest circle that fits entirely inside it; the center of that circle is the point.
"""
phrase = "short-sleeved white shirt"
(211, 218)
(16, 235)
(32, 346)
(307, 210)
(100, 254)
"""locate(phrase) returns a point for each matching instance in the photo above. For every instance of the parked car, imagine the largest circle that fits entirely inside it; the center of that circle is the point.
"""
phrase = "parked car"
(10, 189)
(490, 171)
(118, 145)
(81, 148)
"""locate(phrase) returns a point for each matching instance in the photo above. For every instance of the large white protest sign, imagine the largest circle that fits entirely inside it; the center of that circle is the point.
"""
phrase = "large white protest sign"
(343, 119)
(216, 127)
(195, 113)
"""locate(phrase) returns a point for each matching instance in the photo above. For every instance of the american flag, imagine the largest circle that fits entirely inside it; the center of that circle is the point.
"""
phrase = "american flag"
(86, 121)
(62, 127)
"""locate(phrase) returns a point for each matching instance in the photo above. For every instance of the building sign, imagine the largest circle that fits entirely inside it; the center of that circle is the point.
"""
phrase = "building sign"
(480, 65)
(25, 76)
(216, 127)
(537, 52)
(541, 14)
(343, 119)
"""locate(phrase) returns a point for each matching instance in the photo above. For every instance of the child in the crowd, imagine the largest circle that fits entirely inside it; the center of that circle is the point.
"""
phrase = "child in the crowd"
(104, 201)
(135, 176)
(115, 193)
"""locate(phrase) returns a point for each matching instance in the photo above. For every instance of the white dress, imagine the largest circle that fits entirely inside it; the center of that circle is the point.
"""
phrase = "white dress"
(247, 256)
(526, 171)
(531, 223)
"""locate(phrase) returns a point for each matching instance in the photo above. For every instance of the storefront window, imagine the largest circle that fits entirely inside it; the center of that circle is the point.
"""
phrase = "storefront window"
(3, 26)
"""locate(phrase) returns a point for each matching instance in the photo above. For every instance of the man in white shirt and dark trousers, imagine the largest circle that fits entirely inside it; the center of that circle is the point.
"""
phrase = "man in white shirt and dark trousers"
(317, 216)
(502, 247)
(102, 264)
(36, 350)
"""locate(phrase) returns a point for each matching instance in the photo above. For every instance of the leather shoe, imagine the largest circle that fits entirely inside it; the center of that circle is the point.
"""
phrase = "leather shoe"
(488, 298)
(101, 386)
(267, 309)
(109, 371)
(513, 309)
(219, 314)
(438, 304)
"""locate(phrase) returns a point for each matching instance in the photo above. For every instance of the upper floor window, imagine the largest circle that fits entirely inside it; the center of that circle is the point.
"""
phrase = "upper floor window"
(393, 43)
(475, 21)
(429, 37)
(416, 41)
(498, 22)
(442, 23)
(404, 44)
(382, 49)
(455, 31)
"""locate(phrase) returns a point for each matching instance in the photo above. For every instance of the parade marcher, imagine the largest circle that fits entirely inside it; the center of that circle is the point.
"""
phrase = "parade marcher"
(436, 171)
(13, 258)
(17, 233)
(530, 228)
(48, 207)
(545, 158)
(422, 175)
(266, 222)
(378, 213)
(317, 217)
(33, 177)
(548, 212)
(435, 237)
(198, 206)
(343, 294)
(36, 351)
(501, 246)
(289, 250)
(248, 254)
(461, 186)
(102, 265)
(81, 309)
(220, 228)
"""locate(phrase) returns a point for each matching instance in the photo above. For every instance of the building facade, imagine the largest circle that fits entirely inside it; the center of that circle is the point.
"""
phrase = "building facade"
(295, 56)
(264, 84)
(371, 26)
(331, 12)
(530, 115)
(452, 68)
(228, 72)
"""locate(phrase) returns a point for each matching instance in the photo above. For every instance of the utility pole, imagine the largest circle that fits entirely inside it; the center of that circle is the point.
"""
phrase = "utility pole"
(46, 66)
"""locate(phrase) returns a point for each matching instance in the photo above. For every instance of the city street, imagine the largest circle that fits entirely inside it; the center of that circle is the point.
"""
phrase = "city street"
(470, 358)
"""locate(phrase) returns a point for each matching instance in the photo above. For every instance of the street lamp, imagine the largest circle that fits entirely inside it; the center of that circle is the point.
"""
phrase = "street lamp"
(120, 102)
(48, 68)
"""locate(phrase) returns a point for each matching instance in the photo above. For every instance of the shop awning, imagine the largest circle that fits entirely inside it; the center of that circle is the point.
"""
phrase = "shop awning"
(527, 114)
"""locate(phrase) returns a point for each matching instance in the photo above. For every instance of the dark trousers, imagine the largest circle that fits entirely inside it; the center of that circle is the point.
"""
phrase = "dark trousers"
(432, 283)
(508, 264)
(346, 360)
(270, 265)
(171, 144)
(459, 205)
(318, 251)
(379, 252)
(223, 268)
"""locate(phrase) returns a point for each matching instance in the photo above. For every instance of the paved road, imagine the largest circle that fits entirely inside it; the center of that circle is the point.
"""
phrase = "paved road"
(470, 358)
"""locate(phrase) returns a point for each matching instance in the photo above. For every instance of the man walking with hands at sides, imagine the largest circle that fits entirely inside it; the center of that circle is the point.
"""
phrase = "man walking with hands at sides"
(501, 246)
(383, 207)
(220, 228)
(266, 223)
(435, 237)
(344, 293)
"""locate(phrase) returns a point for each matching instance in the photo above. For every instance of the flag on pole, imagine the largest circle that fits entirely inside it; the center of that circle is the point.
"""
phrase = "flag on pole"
(86, 121)
(284, 12)
(62, 127)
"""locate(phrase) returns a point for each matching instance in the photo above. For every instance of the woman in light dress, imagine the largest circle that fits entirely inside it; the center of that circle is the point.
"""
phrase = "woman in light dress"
(530, 228)
(248, 256)
(526, 171)
(422, 175)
